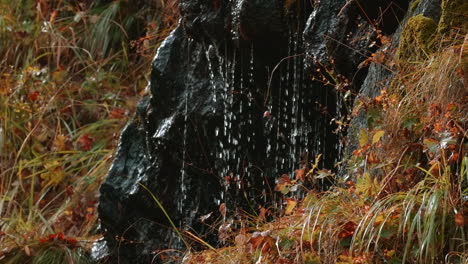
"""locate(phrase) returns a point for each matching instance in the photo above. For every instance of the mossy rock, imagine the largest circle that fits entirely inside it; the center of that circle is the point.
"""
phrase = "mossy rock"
(454, 16)
(414, 5)
(417, 40)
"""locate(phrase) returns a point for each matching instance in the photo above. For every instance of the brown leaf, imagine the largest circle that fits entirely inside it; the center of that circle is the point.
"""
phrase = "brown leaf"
(222, 209)
(290, 205)
(460, 219)
(347, 230)
(33, 96)
(59, 142)
(262, 214)
(262, 240)
(117, 113)
(283, 183)
(300, 174)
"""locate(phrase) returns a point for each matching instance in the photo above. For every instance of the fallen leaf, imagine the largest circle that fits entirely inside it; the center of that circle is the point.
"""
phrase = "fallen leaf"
(33, 96)
(262, 214)
(347, 230)
(363, 137)
(283, 184)
(389, 253)
(377, 135)
(117, 113)
(59, 142)
(290, 205)
(85, 142)
(54, 174)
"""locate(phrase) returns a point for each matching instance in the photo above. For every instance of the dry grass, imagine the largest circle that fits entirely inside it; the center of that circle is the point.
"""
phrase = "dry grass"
(70, 75)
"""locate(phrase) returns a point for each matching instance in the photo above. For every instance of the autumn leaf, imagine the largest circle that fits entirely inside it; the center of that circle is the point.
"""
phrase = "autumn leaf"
(315, 164)
(290, 205)
(85, 142)
(300, 174)
(322, 174)
(347, 230)
(59, 75)
(33, 96)
(54, 174)
(222, 209)
(379, 220)
(451, 107)
(262, 215)
(262, 240)
(460, 219)
(59, 142)
(372, 159)
(377, 135)
(117, 113)
(363, 137)
(283, 184)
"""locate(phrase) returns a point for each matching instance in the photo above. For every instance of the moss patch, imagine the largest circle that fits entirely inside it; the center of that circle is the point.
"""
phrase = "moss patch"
(417, 39)
(414, 5)
(454, 16)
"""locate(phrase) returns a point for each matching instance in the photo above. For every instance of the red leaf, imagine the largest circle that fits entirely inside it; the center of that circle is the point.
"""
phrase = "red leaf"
(347, 230)
(72, 241)
(33, 96)
(117, 113)
(85, 142)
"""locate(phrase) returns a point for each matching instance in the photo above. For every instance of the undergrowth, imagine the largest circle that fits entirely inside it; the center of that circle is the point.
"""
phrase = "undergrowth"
(70, 74)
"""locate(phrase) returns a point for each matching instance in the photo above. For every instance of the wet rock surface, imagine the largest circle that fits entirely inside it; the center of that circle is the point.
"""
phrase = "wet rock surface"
(234, 105)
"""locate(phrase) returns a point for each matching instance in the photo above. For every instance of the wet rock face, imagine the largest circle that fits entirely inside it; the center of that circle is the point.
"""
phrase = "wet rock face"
(232, 107)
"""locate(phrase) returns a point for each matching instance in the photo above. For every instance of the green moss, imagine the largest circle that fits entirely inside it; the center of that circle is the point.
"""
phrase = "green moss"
(414, 5)
(454, 16)
(417, 39)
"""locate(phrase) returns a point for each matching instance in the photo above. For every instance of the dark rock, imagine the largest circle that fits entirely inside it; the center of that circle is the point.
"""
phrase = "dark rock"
(232, 107)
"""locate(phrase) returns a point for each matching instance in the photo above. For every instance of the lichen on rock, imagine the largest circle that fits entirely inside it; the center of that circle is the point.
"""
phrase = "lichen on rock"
(417, 40)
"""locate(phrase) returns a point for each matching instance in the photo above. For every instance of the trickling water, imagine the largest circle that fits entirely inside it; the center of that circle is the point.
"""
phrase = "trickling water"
(209, 51)
(290, 109)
